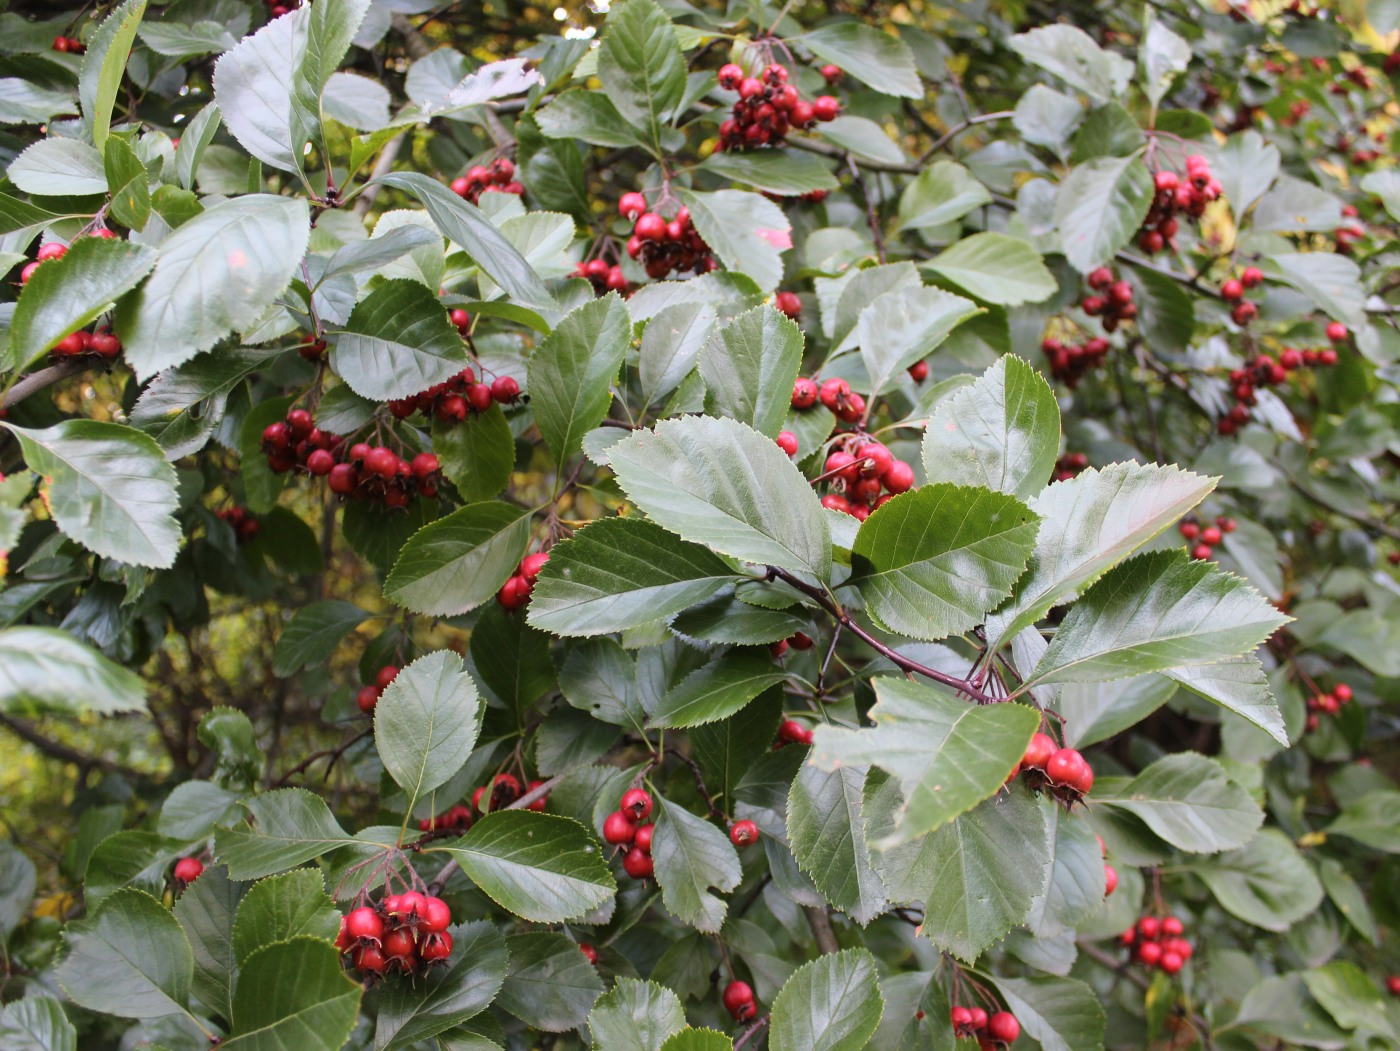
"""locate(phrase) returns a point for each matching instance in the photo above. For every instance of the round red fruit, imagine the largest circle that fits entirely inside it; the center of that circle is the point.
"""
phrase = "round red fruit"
(367, 698)
(618, 828)
(505, 389)
(637, 802)
(739, 1001)
(1337, 332)
(632, 205)
(52, 250)
(743, 833)
(825, 108)
(787, 441)
(382, 462)
(1064, 767)
(1110, 880)
(343, 479)
(804, 393)
(436, 948)
(651, 227)
(437, 916)
(364, 925)
(187, 870)
(899, 477)
(320, 463)
(1039, 751)
(788, 303)
(531, 565)
(1003, 1028)
(638, 864)
(642, 840)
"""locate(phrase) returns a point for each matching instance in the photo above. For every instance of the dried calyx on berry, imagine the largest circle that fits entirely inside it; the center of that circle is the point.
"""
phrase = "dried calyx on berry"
(663, 246)
(768, 107)
(1062, 772)
(402, 933)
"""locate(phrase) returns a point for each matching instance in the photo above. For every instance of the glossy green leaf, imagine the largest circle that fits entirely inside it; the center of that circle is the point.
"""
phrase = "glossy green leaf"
(283, 907)
(693, 859)
(619, 573)
(1060, 1013)
(719, 689)
(780, 172)
(1075, 889)
(58, 168)
(129, 958)
(641, 65)
(724, 485)
(698, 1040)
(1187, 800)
(940, 194)
(477, 454)
(1100, 207)
(45, 669)
(635, 1016)
(447, 996)
(458, 562)
(1072, 55)
(832, 1003)
(109, 488)
(127, 183)
(879, 59)
(905, 326)
(313, 634)
(931, 562)
(286, 827)
(948, 754)
(206, 911)
(1239, 685)
(542, 868)
(590, 116)
(749, 366)
(1267, 882)
(425, 723)
(36, 1023)
(293, 994)
(572, 372)
(253, 84)
(104, 62)
(397, 343)
(827, 831)
(1002, 432)
(746, 231)
(550, 985)
(996, 269)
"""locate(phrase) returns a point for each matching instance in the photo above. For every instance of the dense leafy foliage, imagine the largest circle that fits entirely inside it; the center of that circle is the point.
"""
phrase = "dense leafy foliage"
(679, 526)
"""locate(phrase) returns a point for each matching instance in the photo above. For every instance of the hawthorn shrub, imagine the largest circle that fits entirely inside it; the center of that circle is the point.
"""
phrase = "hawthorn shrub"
(685, 527)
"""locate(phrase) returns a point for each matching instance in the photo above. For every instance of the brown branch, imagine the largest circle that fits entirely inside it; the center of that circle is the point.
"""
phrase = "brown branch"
(962, 126)
(752, 1031)
(37, 381)
(1365, 521)
(65, 753)
(334, 754)
(820, 922)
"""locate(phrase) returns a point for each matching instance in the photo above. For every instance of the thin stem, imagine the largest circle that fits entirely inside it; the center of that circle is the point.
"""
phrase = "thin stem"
(820, 922)
(751, 1032)
(962, 126)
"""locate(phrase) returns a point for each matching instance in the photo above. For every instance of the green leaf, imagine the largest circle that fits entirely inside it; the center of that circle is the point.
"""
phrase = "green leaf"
(313, 634)
(948, 754)
(1096, 711)
(330, 30)
(511, 658)
(218, 273)
(58, 168)
(1267, 882)
(1075, 890)
(193, 808)
(1187, 800)
(1157, 611)
(749, 366)
(571, 373)
(719, 689)
(1163, 55)
(1279, 1005)
(1350, 996)
(1072, 55)
(1348, 898)
(1294, 205)
(397, 343)
(229, 734)
(692, 859)
(1100, 207)
(587, 115)
(905, 326)
(1331, 281)
(641, 65)
(1088, 524)
(17, 882)
(45, 669)
(109, 488)
(1384, 184)
(128, 183)
(466, 225)
(832, 1003)
(698, 1040)
(1046, 117)
(199, 132)
(287, 827)
(635, 1016)
(21, 217)
(293, 994)
(181, 408)
(1003, 432)
(931, 562)
(36, 1023)
(129, 958)
(778, 171)
(24, 102)
(129, 858)
(550, 984)
(942, 193)
(103, 65)
(1166, 311)
(620, 573)
(727, 749)
(477, 454)
(542, 868)
(996, 269)
(447, 996)
(280, 908)
(206, 910)
(599, 677)
(722, 484)
(1060, 1013)
(253, 85)
(671, 345)
(425, 723)
(746, 231)
(458, 562)
(1240, 685)
(826, 827)
(978, 876)
(879, 59)
(1246, 167)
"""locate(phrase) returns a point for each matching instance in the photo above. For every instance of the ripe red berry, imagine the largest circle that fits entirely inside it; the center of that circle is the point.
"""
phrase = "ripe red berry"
(505, 389)
(977, 1018)
(642, 840)
(739, 1001)
(632, 205)
(1201, 552)
(1171, 962)
(899, 477)
(1189, 530)
(531, 565)
(1003, 1028)
(1337, 332)
(1232, 290)
(52, 250)
(787, 441)
(27, 272)
(398, 945)
(619, 828)
(918, 372)
(1342, 692)
(1065, 767)
(514, 593)
(961, 1018)
(371, 960)
(1150, 953)
(1039, 751)
(825, 108)
(793, 732)
(1251, 277)
(437, 916)
(187, 870)
(1110, 880)
(320, 463)
(1211, 535)
(1173, 927)
(436, 947)
(382, 462)
(589, 952)
(367, 698)
(343, 479)
(364, 925)
(1392, 985)
(386, 675)
(651, 227)
(730, 75)
(743, 833)
(637, 802)
(804, 393)
(638, 864)
(788, 303)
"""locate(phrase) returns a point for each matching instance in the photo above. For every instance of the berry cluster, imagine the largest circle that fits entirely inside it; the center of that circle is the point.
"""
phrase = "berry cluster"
(1158, 943)
(623, 828)
(454, 819)
(373, 472)
(187, 870)
(768, 108)
(499, 178)
(1175, 194)
(296, 442)
(1069, 363)
(739, 1001)
(662, 246)
(243, 524)
(605, 277)
(1114, 304)
(100, 343)
(859, 473)
(69, 44)
(1232, 290)
(799, 640)
(1265, 371)
(835, 394)
(1327, 704)
(451, 400)
(1069, 466)
(1350, 231)
(369, 695)
(515, 592)
(790, 731)
(405, 932)
(1205, 538)
(1062, 771)
(999, 1030)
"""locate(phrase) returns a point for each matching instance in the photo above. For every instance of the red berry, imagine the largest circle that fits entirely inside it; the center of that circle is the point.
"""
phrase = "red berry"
(1064, 767)
(1149, 927)
(343, 479)
(514, 593)
(961, 1018)
(642, 840)
(531, 565)
(589, 952)
(631, 205)
(437, 917)
(836, 502)
(367, 698)
(370, 959)
(804, 393)
(27, 272)
(385, 676)
(320, 463)
(382, 462)
(1189, 530)
(825, 108)
(1150, 953)
(788, 303)
(743, 833)
(787, 441)
(399, 945)
(619, 828)
(1337, 332)
(730, 75)
(1211, 535)
(1342, 692)
(1039, 751)
(364, 925)
(52, 250)
(1251, 277)
(187, 870)
(1201, 552)
(1003, 1027)
(637, 802)
(739, 1001)
(899, 477)
(793, 732)
(651, 227)
(1232, 290)
(977, 1018)
(1173, 927)
(505, 389)
(1171, 962)
(1110, 880)
(638, 864)
(436, 947)
(918, 372)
